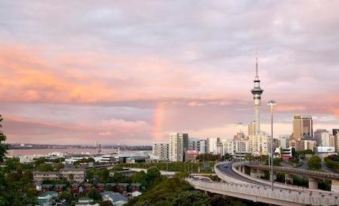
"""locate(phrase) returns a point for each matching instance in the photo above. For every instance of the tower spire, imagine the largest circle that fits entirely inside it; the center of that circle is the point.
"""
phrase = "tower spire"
(256, 68)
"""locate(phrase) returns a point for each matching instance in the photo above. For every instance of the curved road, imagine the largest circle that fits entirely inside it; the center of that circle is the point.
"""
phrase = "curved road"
(226, 168)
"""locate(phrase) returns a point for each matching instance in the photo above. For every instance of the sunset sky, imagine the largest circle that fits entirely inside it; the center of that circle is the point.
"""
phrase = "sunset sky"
(130, 72)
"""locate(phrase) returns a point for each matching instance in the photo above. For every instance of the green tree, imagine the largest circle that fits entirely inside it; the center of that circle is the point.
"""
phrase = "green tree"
(191, 198)
(106, 203)
(152, 175)
(3, 146)
(314, 163)
(228, 157)
(94, 194)
(66, 195)
(45, 167)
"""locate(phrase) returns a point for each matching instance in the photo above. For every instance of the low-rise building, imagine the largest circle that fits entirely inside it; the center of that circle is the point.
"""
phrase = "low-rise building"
(41, 176)
(47, 198)
(73, 174)
(115, 198)
(191, 155)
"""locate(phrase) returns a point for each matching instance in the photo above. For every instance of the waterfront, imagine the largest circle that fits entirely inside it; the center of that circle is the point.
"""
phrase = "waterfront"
(88, 151)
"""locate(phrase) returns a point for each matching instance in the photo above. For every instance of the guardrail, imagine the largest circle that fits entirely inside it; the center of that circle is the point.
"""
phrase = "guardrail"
(265, 194)
(276, 184)
(310, 173)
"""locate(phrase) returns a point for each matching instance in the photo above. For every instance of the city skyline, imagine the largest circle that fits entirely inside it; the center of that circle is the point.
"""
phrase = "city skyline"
(113, 73)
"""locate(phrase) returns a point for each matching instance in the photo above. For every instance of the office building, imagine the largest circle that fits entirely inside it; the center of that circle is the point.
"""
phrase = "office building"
(324, 138)
(199, 145)
(251, 129)
(284, 142)
(177, 147)
(212, 143)
(302, 127)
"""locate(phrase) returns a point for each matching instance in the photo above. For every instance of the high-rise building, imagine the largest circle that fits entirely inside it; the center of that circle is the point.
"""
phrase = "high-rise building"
(324, 138)
(336, 142)
(302, 128)
(257, 91)
(160, 151)
(335, 131)
(177, 147)
(284, 142)
(212, 143)
(251, 129)
(199, 145)
(259, 144)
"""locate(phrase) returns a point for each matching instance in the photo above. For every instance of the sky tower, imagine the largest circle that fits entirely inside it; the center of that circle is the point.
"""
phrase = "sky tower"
(257, 91)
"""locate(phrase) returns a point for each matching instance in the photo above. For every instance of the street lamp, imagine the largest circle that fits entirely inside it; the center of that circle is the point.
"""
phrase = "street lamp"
(271, 104)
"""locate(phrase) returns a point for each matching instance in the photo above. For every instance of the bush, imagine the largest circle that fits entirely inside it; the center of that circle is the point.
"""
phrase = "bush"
(332, 162)
(314, 163)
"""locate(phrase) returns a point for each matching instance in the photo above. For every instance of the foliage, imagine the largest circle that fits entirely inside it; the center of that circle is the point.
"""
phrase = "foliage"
(3, 146)
(203, 167)
(16, 184)
(277, 161)
(208, 157)
(152, 176)
(66, 195)
(94, 194)
(300, 181)
(324, 185)
(314, 163)
(301, 154)
(106, 203)
(332, 162)
(98, 175)
(163, 193)
(191, 198)
(218, 200)
(84, 160)
(228, 157)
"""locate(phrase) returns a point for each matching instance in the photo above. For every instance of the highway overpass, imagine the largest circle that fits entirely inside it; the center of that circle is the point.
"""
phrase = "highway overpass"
(236, 184)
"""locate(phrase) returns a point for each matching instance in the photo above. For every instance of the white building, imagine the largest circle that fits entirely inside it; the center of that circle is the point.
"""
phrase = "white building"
(160, 151)
(284, 142)
(199, 145)
(236, 146)
(324, 138)
(178, 145)
(259, 144)
(213, 143)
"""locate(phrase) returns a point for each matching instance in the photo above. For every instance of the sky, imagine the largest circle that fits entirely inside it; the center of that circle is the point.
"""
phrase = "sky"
(130, 72)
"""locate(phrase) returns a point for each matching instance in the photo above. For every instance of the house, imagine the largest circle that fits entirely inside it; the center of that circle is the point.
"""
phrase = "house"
(47, 198)
(115, 198)
(86, 202)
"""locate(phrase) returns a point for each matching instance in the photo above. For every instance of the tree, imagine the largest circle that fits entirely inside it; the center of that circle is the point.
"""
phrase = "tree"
(3, 146)
(66, 195)
(152, 175)
(94, 194)
(106, 203)
(191, 198)
(314, 163)
(228, 157)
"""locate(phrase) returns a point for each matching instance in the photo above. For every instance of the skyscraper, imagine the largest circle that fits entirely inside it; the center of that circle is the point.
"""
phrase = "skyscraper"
(160, 151)
(178, 145)
(302, 127)
(257, 91)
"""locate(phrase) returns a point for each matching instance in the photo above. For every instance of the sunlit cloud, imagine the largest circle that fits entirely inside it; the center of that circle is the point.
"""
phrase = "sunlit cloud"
(141, 70)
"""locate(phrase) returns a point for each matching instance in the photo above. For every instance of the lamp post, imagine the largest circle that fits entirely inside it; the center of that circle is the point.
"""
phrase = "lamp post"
(271, 104)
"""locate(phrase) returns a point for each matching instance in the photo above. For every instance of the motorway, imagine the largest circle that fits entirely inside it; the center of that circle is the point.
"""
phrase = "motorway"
(237, 185)
(227, 170)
